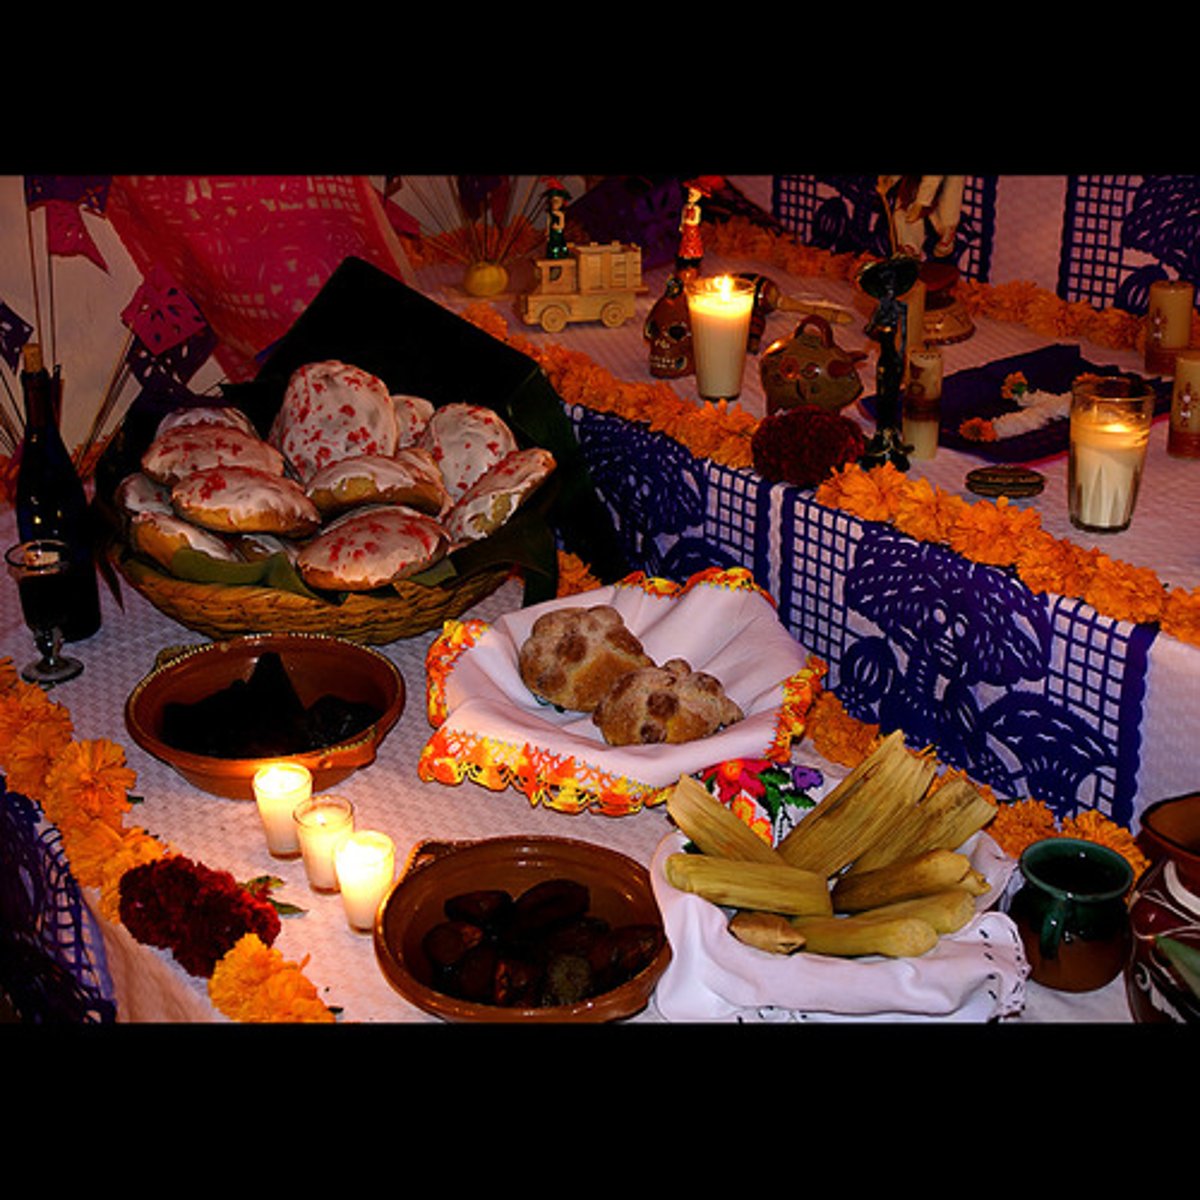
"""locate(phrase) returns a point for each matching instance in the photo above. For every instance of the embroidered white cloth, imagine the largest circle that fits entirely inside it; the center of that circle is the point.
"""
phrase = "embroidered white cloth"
(732, 632)
(977, 974)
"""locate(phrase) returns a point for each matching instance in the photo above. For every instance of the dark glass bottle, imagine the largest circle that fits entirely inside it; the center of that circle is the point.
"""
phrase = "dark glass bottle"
(51, 502)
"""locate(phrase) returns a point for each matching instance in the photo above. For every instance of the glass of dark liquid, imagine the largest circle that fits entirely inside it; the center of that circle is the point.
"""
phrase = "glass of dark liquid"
(44, 581)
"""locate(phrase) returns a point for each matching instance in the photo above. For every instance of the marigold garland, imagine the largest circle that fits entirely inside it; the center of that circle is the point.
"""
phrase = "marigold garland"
(83, 788)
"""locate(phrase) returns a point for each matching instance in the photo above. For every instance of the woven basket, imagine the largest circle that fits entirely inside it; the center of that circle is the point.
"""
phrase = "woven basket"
(222, 611)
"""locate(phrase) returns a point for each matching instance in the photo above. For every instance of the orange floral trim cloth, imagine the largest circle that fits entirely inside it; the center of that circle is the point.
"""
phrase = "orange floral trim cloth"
(83, 787)
(491, 730)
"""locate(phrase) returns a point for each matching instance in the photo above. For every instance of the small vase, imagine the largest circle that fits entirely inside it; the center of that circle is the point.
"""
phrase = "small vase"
(1166, 904)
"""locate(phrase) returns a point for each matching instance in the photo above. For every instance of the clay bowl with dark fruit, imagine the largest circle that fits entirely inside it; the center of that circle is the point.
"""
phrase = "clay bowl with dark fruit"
(522, 929)
(217, 711)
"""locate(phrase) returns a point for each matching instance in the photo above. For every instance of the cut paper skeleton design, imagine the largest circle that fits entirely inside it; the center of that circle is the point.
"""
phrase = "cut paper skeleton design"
(911, 200)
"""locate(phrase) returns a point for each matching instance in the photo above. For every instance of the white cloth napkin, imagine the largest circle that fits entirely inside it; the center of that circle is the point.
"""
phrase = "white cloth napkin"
(977, 974)
(732, 633)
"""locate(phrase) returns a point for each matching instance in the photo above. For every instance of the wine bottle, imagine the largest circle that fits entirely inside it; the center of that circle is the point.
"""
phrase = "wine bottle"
(51, 502)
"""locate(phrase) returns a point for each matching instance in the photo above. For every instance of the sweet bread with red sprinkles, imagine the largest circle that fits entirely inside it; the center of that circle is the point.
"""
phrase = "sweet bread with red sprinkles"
(331, 411)
(186, 449)
(371, 547)
(245, 500)
(410, 477)
(466, 441)
(497, 494)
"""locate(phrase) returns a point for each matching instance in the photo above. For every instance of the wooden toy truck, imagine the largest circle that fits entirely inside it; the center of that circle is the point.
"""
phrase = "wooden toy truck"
(595, 282)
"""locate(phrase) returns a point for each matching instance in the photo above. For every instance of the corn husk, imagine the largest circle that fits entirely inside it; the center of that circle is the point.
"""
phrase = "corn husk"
(713, 827)
(919, 875)
(762, 887)
(856, 936)
(863, 810)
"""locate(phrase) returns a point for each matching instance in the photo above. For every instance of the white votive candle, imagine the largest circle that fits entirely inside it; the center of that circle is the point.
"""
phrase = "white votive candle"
(719, 311)
(366, 864)
(278, 789)
(1168, 322)
(323, 823)
(923, 402)
(1104, 469)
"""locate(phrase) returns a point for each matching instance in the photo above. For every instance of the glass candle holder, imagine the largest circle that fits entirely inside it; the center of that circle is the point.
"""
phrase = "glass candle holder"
(1110, 429)
(366, 865)
(278, 788)
(719, 310)
(322, 824)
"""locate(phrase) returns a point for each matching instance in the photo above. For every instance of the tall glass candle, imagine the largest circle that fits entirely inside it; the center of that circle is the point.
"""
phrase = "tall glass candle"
(1110, 428)
(1183, 439)
(923, 402)
(1168, 323)
(719, 310)
(323, 823)
(365, 864)
(278, 789)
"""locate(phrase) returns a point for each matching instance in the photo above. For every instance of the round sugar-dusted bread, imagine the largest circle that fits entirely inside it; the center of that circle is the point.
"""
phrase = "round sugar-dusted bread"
(671, 703)
(186, 449)
(207, 414)
(245, 500)
(331, 411)
(410, 476)
(370, 548)
(497, 494)
(159, 535)
(573, 655)
(466, 440)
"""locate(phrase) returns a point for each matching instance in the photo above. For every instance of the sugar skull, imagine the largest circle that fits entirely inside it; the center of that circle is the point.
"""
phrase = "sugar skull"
(668, 334)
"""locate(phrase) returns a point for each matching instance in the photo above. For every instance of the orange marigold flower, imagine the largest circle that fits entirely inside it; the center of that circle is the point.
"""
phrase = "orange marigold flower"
(30, 754)
(993, 533)
(1020, 823)
(928, 513)
(1181, 615)
(1049, 564)
(254, 983)
(1014, 384)
(89, 781)
(1124, 592)
(836, 735)
(574, 576)
(24, 704)
(978, 429)
(1093, 826)
(873, 495)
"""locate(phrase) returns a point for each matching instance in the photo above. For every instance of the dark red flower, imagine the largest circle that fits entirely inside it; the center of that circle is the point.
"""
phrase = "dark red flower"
(193, 911)
(803, 446)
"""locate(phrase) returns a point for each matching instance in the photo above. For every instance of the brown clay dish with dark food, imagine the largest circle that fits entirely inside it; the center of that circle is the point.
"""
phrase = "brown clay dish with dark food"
(329, 682)
(423, 902)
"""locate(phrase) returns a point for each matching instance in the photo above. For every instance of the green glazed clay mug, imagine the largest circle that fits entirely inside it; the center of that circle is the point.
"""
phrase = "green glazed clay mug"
(1072, 914)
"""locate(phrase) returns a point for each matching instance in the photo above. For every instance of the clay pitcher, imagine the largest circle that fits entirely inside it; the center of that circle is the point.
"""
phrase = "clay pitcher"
(1161, 979)
(1071, 913)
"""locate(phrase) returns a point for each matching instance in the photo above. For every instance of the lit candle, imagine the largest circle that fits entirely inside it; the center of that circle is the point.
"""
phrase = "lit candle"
(278, 789)
(1183, 439)
(1107, 449)
(323, 823)
(365, 863)
(1168, 322)
(923, 402)
(719, 311)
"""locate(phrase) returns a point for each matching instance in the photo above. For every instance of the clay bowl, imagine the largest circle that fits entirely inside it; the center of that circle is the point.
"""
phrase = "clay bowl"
(620, 892)
(316, 665)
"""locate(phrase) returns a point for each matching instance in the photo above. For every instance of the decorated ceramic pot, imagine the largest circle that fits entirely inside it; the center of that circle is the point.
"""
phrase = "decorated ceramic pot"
(810, 368)
(1161, 978)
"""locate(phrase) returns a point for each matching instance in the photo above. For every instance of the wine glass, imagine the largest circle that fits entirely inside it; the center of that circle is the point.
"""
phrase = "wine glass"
(42, 571)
